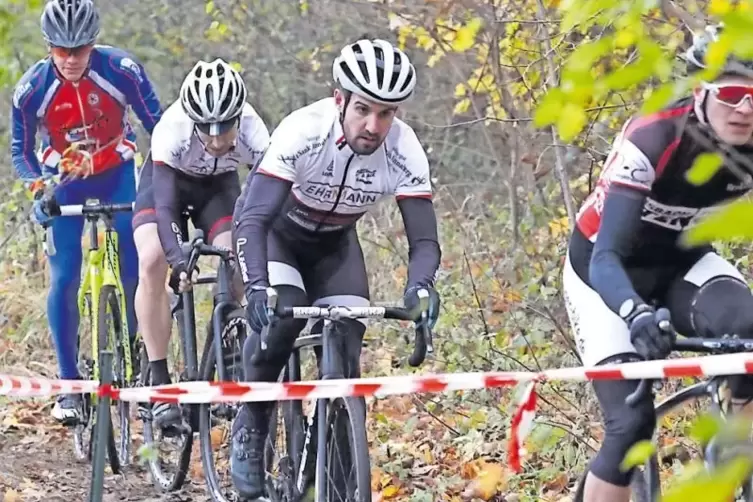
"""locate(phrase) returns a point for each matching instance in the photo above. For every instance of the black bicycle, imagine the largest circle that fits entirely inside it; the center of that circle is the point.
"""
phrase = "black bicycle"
(329, 446)
(646, 484)
(220, 361)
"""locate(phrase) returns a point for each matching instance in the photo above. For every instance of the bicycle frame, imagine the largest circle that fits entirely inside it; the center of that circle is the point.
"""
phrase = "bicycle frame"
(333, 365)
(103, 269)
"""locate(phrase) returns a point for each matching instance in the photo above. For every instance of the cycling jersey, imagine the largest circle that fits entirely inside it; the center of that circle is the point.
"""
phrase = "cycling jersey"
(333, 187)
(650, 158)
(176, 144)
(186, 174)
(91, 113)
(326, 187)
(625, 246)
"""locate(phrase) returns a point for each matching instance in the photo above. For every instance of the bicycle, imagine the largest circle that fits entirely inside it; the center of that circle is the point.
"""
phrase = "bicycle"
(645, 485)
(220, 360)
(288, 479)
(101, 300)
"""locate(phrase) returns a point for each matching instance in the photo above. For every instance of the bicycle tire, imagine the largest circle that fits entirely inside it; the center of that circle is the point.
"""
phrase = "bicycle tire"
(282, 476)
(355, 410)
(81, 444)
(235, 318)
(108, 297)
(119, 375)
(162, 480)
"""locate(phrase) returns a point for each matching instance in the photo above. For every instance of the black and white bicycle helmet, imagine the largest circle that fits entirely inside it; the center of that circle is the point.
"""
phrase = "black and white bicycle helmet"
(696, 53)
(376, 70)
(70, 23)
(213, 93)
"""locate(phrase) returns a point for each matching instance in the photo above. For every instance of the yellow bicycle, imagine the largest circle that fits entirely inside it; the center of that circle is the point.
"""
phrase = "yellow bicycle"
(102, 306)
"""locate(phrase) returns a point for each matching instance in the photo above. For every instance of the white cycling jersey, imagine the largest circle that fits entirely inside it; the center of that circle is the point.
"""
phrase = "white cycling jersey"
(175, 143)
(309, 149)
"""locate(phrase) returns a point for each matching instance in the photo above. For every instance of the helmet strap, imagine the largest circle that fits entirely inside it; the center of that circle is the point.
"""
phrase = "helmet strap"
(699, 106)
(346, 100)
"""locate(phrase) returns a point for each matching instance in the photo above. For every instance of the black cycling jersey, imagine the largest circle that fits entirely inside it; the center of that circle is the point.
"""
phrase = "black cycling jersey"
(643, 201)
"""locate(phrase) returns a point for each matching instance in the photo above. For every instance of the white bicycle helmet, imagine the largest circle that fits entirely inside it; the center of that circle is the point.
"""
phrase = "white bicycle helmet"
(70, 23)
(696, 53)
(376, 70)
(213, 93)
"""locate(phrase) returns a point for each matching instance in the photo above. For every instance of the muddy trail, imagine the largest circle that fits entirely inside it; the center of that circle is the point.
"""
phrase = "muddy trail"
(37, 463)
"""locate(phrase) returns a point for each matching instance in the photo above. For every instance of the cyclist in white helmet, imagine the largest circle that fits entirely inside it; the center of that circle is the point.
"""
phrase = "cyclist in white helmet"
(326, 165)
(196, 149)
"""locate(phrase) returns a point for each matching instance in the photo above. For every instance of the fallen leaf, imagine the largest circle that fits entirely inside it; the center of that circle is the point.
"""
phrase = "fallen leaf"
(486, 483)
(217, 437)
(11, 495)
(390, 491)
(558, 483)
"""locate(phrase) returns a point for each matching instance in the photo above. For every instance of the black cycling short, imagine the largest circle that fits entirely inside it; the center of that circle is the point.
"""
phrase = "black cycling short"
(212, 200)
(329, 271)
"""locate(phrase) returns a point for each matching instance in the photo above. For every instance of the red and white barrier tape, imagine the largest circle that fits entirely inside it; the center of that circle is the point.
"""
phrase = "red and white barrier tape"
(213, 392)
(42, 387)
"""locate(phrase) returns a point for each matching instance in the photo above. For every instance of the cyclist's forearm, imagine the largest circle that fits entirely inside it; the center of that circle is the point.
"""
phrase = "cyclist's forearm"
(619, 226)
(264, 198)
(420, 222)
(164, 183)
(24, 159)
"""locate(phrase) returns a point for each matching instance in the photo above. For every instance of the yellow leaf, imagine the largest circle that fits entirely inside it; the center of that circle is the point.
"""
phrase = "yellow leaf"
(434, 58)
(459, 90)
(625, 38)
(717, 53)
(639, 453)
(729, 222)
(466, 35)
(485, 486)
(719, 7)
(705, 166)
(12, 495)
(571, 121)
(390, 491)
(462, 106)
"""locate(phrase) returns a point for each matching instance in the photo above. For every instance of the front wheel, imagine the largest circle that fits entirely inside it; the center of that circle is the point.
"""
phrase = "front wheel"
(346, 453)
(215, 419)
(109, 333)
(168, 455)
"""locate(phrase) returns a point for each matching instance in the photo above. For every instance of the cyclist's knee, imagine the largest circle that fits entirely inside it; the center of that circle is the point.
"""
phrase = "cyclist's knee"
(623, 427)
(722, 306)
(65, 269)
(152, 262)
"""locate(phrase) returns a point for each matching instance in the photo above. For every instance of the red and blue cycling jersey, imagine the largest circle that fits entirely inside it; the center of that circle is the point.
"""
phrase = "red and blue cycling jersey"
(90, 115)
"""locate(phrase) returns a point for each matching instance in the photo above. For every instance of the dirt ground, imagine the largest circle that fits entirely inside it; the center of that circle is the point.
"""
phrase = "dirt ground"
(37, 464)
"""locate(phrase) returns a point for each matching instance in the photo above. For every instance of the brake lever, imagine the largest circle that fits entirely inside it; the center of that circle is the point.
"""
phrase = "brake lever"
(272, 298)
(423, 303)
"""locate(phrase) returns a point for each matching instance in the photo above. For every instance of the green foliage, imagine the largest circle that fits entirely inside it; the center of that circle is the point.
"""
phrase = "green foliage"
(638, 454)
(705, 166)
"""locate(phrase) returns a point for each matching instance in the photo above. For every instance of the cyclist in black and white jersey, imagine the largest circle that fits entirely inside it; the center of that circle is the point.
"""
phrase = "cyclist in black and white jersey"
(624, 258)
(327, 164)
(196, 149)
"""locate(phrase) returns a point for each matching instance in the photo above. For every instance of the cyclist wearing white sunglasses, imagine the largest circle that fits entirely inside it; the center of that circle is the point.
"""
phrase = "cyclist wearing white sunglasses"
(624, 259)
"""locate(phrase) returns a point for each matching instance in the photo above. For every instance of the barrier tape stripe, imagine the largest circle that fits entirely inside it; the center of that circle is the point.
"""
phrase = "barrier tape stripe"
(43, 387)
(203, 392)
